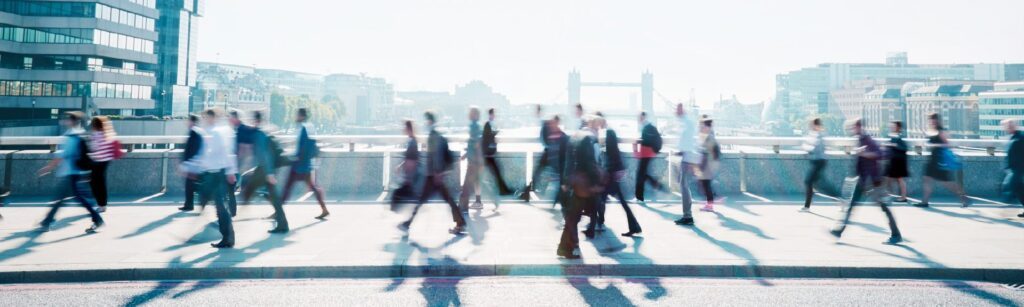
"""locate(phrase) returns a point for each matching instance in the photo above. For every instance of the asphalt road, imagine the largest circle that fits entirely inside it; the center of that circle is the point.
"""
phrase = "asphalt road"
(517, 291)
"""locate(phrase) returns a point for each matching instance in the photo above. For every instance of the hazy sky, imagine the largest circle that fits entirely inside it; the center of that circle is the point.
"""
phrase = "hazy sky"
(525, 48)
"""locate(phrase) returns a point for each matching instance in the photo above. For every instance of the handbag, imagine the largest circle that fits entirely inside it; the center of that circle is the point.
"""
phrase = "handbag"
(118, 153)
(949, 161)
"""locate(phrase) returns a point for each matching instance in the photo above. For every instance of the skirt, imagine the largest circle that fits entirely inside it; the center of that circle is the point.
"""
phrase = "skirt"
(897, 168)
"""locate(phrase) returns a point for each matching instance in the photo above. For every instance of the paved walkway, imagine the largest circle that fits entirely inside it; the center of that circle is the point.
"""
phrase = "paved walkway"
(750, 236)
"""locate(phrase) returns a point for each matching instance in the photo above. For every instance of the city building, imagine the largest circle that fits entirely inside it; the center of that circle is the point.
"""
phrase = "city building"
(231, 87)
(877, 102)
(291, 83)
(1006, 101)
(807, 91)
(955, 101)
(452, 106)
(367, 100)
(178, 57)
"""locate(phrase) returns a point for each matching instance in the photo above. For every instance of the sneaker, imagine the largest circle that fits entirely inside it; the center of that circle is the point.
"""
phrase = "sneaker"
(404, 226)
(805, 209)
(94, 228)
(186, 209)
(477, 205)
(323, 216)
(686, 221)
(102, 209)
(44, 228)
(921, 205)
(1021, 215)
(631, 233)
(966, 202)
(894, 240)
(708, 209)
(458, 230)
(836, 233)
(901, 200)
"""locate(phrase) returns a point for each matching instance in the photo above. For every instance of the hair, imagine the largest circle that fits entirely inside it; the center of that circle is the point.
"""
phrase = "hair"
(490, 111)
(211, 112)
(102, 124)
(234, 114)
(816, 121)
(644, 114)
(707, 122)
(856, 122)
(579, 106)
(74, 116)
(430, 116)
(474, 108)
(898, 124)
(937, 118)
(304, 112)
(556, 118)
(192, 118)
(409, 125)
(257, 116)
(599, 113)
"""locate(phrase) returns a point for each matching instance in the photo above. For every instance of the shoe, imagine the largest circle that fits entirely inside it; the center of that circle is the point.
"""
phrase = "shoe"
(458, 230)
(894, 240)
(589, 234)
(571, 254)
(404, 226)
(686, 221)
(94, 228)
(102, 209)
(43, 228)
(902, 200)
(222, 245)
(805, 209)
(921, 205)
(186, 209)
(477, 205)
(631, 233)
(278, 230)
(708, 209)
(836, 233)
(966, 203)
(323, 216)
(1021, 215)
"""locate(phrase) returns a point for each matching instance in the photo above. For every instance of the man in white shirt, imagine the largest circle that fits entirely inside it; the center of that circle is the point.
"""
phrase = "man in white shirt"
(690, 157)
(216, 165)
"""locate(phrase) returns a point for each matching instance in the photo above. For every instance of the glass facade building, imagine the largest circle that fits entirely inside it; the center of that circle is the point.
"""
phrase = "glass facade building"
(177, 53)
(1005, 102)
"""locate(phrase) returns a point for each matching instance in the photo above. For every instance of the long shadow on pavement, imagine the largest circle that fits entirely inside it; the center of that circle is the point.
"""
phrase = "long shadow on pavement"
(155, 224)
(594, 296)
(612, 247)
(33, 234)
(974, 217)
(734, 224)
(869, 227)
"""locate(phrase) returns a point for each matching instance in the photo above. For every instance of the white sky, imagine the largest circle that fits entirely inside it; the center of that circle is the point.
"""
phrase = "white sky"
(525, 48)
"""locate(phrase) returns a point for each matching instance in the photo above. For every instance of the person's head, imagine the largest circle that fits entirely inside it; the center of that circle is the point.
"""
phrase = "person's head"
(554, 124)
(410, 129)
(234, 118)
(855, 126)
(102, 124)
(935, 121)
(193, 120)
(680, 110)
(257, 118)
(642, 118)
(490, 114)
(474, 113)
(706, 125)
(210, 116)
(73, 119)
(538, 110)
(591, 123)
(1009, 125)
(601, 122)
(816, 124)
(579, 110)
(430, 118)
(301, 115)
(896, 127)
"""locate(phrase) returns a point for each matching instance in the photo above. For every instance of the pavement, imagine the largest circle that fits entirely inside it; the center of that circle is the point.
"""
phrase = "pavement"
(516, 291)
(751, 236)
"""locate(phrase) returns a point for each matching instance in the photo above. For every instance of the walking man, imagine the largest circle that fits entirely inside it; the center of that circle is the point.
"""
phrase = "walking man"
(302, 166)
(1015, 159)
(690, 158)
(815, 147)
(868, 155)
(542, 162)
(192, 147)
(244, 135)
(650, 144)
(217, 167)
(72, 163)
(265, 155)
(616, 173)
(489, 145)
(439, 163)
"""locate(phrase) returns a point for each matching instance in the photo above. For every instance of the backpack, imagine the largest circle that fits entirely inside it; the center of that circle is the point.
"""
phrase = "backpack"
(451, 158)
(84, 161)
(280, 160)
(656, 141)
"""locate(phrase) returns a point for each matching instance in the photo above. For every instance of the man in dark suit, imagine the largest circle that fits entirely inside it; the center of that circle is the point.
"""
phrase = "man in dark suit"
(439, 163)
(489, 144)
(1015, 159)
(265, 158)
(195, 141)
(650, 145)
(542, 162)
(616, 172)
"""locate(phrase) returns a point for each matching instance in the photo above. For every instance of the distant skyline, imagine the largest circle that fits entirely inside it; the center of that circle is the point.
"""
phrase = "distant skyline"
(525, 49)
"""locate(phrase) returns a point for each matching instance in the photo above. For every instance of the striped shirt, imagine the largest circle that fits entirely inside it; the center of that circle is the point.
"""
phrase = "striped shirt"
(101, 148)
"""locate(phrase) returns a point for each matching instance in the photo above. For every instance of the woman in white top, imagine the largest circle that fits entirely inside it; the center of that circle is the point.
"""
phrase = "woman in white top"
(712, 154)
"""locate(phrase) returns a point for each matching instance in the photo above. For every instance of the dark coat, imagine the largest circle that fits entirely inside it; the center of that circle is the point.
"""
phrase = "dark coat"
(613, 156)
(489, 142)
(192, 145)
(1015, 153)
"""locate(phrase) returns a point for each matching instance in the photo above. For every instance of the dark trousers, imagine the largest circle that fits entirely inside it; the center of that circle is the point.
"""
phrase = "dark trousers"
(294, 177)
(191, 183)
(98, 182)
(538, 170)
(232, 202)
(214, 186)
(78, 187)
(1017, 185)
(709, 193)
(614, 189)
(572, 212)
(812, 178)
(258, 179)
(432, 184)
(642, 177)
(492, 165)
(858, 192)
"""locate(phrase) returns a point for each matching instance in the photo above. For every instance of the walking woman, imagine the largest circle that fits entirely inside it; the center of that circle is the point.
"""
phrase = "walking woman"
(938, 167)
(815, 147)
(897, 170)
(103, 148)
(709, 165)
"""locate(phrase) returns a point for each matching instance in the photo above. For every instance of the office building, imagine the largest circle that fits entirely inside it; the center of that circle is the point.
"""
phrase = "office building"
(178, 58)
(877, 102)
(955, 101)
(230, 87)
(367, 100)
(1006, 101)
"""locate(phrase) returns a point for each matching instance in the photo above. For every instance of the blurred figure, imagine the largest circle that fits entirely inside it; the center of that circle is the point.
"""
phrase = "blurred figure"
(650, 145)
(474, 163)
(1015, 159)
(217, 167)
(489, 145)
(941, 163)
(870, 181)
(615, 174)
(577, 119)
(712, 153)
(72, 162)
(192, 147)
(542, 161)
(815, 147)
(440, 162)
(898, 171)
(690, 158)
(244, 143)
(581, 185)
(103, 148)
(409, 169)
(266, 155)
(302, 165)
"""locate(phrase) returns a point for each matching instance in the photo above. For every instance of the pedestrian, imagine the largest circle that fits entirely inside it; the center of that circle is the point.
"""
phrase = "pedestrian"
(941, 163)
(489, 145)
(898, 169)
(690, 157)
(650, 145)
(542, 161)
(1015, 159)
(408, 169)
(265, 153)
(103, 148)
(216, 166)
(303, 164)
(711, 152)
(474, 163)
(869, 181)
(815, 147)
(192, 146)
(72, 164)
(615, 171)
(577, 119)
(440, 162)
(244, 135)
(581, 185)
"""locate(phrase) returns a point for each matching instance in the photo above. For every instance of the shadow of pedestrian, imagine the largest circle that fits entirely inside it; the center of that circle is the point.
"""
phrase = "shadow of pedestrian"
(628, 255)
(869, 227)
(974, 217)
(594, 296)
(155, 224)
(734, 224)
(752, 262)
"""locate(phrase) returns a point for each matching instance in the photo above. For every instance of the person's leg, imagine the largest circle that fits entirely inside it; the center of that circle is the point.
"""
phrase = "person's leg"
(684, 189)
(469, 185)
(570, 232)
(229, 193)
(425, 193)
(80, 190)
(616, 190)
(492, 164)
(538, 170)
(709, 194)
(858, 192)
(902, 182)
(251, 183)
(279, 216)
(286, 192)
(817, 166)
(456, 212)
(895, 230)
(318, 192)
(926, 189)
(190, 194)
(641, 177)
(63, 190)
(98, 183)
(217, 189)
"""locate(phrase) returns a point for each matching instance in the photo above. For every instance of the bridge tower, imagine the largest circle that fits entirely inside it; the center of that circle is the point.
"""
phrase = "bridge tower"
(575, 84)
(647, 92)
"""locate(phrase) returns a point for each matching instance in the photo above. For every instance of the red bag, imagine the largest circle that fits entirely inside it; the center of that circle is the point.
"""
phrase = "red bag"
(118, 153)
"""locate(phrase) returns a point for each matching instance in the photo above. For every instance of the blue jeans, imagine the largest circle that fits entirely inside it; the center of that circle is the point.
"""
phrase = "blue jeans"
(78, 187)
(214, 186)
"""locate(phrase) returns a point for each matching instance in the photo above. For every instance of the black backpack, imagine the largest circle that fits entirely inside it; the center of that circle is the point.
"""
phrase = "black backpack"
(84, 161)
(451, 158)
(656, 141)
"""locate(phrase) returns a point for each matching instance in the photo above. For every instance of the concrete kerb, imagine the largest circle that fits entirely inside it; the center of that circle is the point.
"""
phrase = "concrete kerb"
(472, 270)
